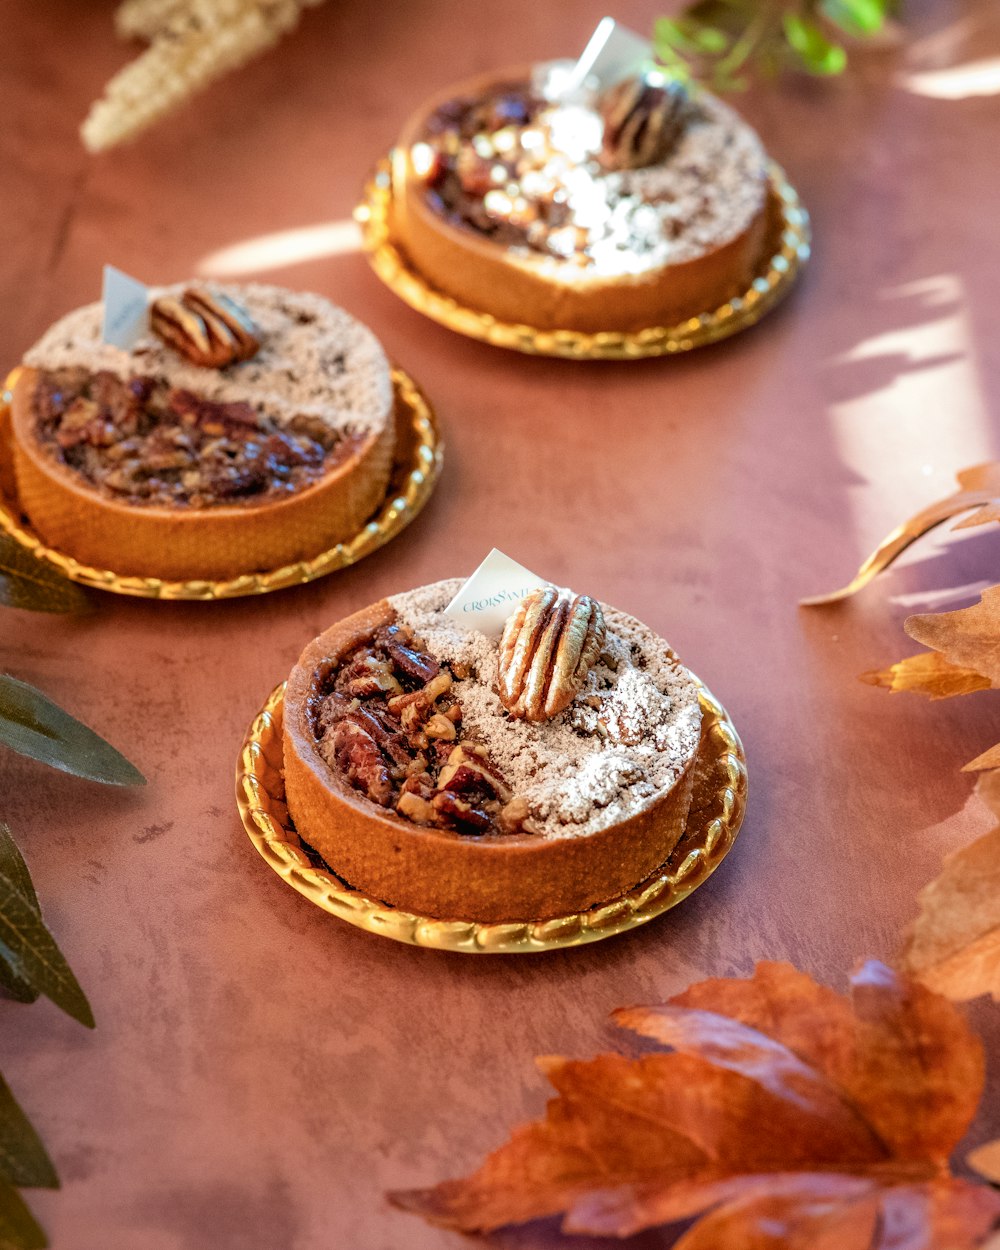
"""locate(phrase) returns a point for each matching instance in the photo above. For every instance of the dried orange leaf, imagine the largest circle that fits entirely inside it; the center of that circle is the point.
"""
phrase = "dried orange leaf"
(927, 673)
(805, 1220)
(986, 1161)
(982, 516)
(967, 638)
(988, 789)
(980, 488)
(948, 1214)
(783, 1115)
(875, 1046)
(988, 759)
(954, 946)
(730, 1044)
(812, 1211)
(612, 1122)
(668, 1117)
(734, 1207)
(980, 478)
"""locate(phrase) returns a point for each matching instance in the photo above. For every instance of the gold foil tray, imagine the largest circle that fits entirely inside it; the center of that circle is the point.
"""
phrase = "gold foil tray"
(785, 252)
(716, 815)
(419, 452)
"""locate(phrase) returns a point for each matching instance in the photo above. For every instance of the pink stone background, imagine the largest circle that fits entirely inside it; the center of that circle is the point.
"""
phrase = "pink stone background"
(262, 1073)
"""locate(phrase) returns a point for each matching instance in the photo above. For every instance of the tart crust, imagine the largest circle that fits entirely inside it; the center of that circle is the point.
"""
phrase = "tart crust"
(532, 291)
(445, 875)
(175, 543)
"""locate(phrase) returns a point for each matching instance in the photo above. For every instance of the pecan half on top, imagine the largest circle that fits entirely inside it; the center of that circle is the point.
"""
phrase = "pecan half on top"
(643, 120)
(547, 649)
(206, 328)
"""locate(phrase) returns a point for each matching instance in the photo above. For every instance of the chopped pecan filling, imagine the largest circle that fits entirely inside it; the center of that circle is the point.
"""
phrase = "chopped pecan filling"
(145, 443)
(531, 174)
(466, 175)
(388, 719)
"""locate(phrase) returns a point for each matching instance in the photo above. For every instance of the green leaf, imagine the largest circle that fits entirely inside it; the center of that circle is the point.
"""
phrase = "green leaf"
(13, 987)
(709, 39)
(15, 869)
(857, 17)
(690, 37)
(671, 53)
(34, 726)
(35, 585)
(816, 52)
(729, 14)
(31, 951)
(23, 1160)
(18, 1228)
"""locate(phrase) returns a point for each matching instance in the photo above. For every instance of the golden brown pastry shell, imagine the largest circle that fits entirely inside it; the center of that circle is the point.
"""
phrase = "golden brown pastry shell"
(489, 278)
(179, 543)
(447, 876)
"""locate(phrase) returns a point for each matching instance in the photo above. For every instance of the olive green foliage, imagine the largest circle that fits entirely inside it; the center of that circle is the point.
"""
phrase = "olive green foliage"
(726, 42)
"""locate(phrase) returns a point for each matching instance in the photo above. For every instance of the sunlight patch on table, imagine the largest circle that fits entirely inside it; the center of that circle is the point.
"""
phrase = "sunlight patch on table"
(961, 82)
(919, 413)
(281, 249)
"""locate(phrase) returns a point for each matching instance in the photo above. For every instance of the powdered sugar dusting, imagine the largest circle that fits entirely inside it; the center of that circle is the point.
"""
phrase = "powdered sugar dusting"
(708, 190)
(315, 359)
(541, 188)
(620, 745)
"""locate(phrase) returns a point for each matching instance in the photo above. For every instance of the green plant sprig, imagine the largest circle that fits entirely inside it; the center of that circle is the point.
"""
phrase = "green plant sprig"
(36, 585)
(725, 42)
(31, 962)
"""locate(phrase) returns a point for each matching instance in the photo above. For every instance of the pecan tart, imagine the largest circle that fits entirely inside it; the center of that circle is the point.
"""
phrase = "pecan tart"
(250, 428)
(458, 777)
(643, 205)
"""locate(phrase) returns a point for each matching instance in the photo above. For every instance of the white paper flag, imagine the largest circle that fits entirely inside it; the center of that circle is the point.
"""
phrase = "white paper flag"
(613, 52)
(491, 594)
(126, 309)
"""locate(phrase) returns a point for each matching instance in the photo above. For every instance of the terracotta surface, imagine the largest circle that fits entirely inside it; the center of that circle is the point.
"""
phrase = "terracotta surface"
(260, 1073)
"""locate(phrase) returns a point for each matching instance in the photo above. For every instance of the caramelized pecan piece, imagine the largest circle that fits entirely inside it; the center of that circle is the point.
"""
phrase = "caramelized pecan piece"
(392, 744)
(226, 312)
(460, 812)
(369, 675)
(422, 699)
(417, 809)
(187, 333)
(414, 664)
(193, 410)
(643, 120)
(515, 817)
(469, 767)
(548, 647)
(209, 330)
(440, 726)
(359, 757)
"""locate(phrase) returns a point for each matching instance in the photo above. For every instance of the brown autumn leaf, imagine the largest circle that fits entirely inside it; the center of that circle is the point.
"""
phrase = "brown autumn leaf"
(968, 638)
(988, 759)
(954, 944)
(988, 787)
(986, 1161)
(981, 478)
(979, 492)
(783, 1114)
(927, 673)
(989, 512)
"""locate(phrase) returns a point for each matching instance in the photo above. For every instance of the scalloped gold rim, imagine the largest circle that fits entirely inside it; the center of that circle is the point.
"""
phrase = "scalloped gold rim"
(411, 485)
(773, 281)
(717, 812)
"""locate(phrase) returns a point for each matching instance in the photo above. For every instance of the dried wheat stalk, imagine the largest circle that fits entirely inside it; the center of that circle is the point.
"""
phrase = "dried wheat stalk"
(191, 43)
